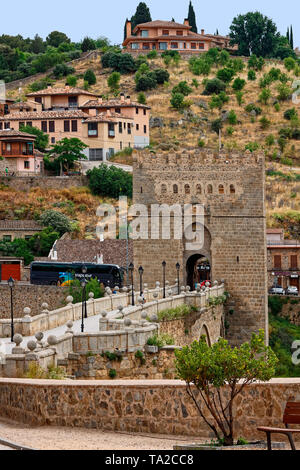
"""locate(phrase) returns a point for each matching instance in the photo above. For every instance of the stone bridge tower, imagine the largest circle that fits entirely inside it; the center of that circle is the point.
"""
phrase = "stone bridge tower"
(231, 188)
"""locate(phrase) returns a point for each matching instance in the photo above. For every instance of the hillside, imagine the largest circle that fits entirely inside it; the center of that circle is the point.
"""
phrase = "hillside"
(176, 129)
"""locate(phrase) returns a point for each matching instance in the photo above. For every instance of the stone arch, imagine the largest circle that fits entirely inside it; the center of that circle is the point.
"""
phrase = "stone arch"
(187, 189)
(221, 189)
(164, 189)
(175, 189)
(205, 332)
(198, 189)
(232, 189)
(209, 189)
(198, 260)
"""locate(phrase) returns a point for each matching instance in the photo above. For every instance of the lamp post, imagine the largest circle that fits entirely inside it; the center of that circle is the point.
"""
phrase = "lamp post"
(178, 276)
(11, 284)
(141, 272)
(84, 272)
(83, 310)
(164, 264)
(131, 269)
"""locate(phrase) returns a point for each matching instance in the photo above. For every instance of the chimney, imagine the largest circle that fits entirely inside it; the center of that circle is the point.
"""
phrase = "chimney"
(186, 22)
(100, 100)
(128, 100)
(122, 97)
(202, 32)
(108, 113)
(128, 29)
(67, 87)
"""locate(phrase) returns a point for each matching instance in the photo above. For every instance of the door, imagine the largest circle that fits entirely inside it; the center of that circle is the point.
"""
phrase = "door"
(11, 270)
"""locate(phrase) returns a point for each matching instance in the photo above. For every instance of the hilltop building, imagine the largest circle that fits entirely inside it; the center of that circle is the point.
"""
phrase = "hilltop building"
(168, 35)
(19, 156)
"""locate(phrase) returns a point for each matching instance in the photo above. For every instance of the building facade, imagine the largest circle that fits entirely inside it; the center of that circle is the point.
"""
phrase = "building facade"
(231, 191)
(168, 35)
(18, 155)
(105, 127)
(12, 229)
(283, 260)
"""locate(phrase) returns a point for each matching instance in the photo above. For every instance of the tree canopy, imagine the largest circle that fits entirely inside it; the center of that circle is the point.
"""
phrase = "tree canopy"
(42, 139)
(255, 34)
(142, 15)
(67, 151)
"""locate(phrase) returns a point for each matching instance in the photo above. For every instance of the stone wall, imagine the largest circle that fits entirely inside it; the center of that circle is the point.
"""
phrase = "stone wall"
(150, 366)
(139, 406)
(32, 297)
(231, 189)
(207, 322)
(26, 183)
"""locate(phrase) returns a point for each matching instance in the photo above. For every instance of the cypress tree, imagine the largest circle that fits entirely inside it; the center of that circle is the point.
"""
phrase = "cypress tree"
(192, 18)
(292, 38)
(142, 15)
(288, 34)
(125, 29)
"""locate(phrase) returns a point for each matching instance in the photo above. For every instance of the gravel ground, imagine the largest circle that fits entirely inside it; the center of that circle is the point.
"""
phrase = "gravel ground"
(56, 438)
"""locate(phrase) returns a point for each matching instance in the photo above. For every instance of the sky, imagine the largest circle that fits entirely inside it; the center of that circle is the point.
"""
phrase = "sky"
(107, 17)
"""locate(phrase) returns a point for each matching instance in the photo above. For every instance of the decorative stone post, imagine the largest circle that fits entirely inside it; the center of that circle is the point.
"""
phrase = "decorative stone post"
(26, 322)
(18, 339)
(91, 302)
(39, 337)
(103, 322)
(69, 326)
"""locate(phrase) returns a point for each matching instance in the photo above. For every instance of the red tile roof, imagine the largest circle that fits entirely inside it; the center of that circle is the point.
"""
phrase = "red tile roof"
(113, 104)
(12, 133)
(35, 115)
(61, 91)
(104, 117)
(19, 225)
(163, 24)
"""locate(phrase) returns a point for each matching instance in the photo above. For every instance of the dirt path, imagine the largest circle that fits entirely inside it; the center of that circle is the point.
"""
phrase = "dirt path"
(56, 438)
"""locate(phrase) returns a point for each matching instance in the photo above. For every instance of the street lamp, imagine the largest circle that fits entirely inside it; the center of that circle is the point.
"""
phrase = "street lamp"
(164, 264)
(131, 269)
(83, 310)
(141, 272)
(178, 276)
(11, 284)
(84, 272)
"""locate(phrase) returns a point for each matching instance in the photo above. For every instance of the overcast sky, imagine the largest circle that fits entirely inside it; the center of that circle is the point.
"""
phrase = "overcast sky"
(106, 18)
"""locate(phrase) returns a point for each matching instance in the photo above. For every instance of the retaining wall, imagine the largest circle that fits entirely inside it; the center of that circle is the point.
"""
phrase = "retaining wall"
(138, 406)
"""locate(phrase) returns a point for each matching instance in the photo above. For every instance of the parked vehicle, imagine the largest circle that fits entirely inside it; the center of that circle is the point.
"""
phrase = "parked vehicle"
(292, 290)
(277, 291)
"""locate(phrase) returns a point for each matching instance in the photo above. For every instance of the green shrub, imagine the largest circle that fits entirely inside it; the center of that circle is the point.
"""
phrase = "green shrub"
(270, 140)
(252, 146)
(152, 55)
(251, 75)
(226, 74)
(142, 98)
(178, 102)
(290, 114)
(182, 88)
(90, 77)
(284, 92)
(113, 81)
(252, 107)
(112, 373)
(238, 84)
(232, 118)
(71, 81)
(146, 82)
(214, 86)
(289, 63)
(264, 123)
(110, 181)
(162, 76)
(265, 95)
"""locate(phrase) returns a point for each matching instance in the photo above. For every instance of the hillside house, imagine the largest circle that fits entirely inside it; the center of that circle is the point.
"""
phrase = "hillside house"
(283, 260)
(18, 155)
(168, 35)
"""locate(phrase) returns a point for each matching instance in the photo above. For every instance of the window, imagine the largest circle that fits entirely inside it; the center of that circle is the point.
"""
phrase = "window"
(277, 261)
(51, 126)
(136, 110)
(44, 126)
(29, 124)
(121, 145)
(163, 46)
(73, 102)
(38, 100)
(7, 125)
(52, 140)
(129, 128)
(66, 126)
(21, 124)
(1, 126)
(193, 45)
(135, 46)
(92, 129)
(163, 189)
(232, 189)
(137, 127)
(145, 112)
(7, 238)
(145, 33)
(175, 189)
(145, 129)
(198, 189)
(165, 32)
(174, 45)
(209, 189)
(294, 261)
(187, 189)
(120, 128)
(111, 130)
(118, 110)
(179, 33)
(221, 189)
(74, 126)
(201, 45)
(146, 46)
(96, 154)
(27, 165)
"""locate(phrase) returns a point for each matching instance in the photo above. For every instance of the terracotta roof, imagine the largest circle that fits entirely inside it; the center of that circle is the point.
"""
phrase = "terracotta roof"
(163, 24)
(24, 104)
(113, 251)
(104, 117)
(274, 230)
(35, 115)
(61, 91)
(19, 225)
(13, 133)
(113, 104)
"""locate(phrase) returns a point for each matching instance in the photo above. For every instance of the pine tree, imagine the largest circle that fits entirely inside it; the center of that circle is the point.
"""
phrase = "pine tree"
(192, 18)
(292, 38)
(142, 15)
(217, 33)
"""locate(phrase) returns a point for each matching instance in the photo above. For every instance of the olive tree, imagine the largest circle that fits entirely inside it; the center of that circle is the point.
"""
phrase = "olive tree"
(211, 371)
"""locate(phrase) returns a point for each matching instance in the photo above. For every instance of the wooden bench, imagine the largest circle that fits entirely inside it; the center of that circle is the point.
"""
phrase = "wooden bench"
(291, 416)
